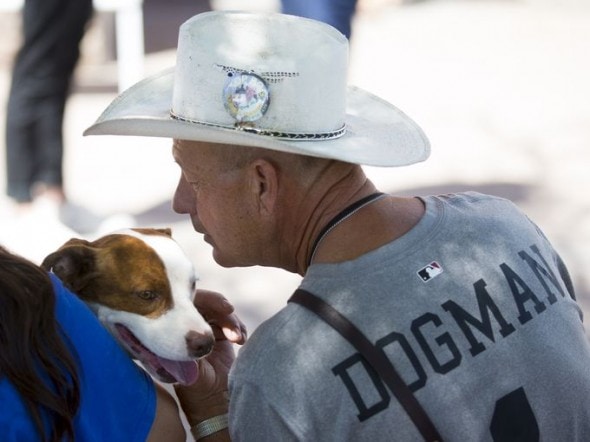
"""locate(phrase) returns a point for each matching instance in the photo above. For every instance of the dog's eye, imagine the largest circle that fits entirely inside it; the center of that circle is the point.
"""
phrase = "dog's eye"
(147, 295)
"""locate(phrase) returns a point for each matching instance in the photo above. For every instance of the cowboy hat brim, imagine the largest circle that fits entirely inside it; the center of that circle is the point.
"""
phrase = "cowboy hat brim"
(377, 133)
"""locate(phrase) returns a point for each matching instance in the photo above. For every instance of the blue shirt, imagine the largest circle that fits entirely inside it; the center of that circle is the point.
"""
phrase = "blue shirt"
(118, 399)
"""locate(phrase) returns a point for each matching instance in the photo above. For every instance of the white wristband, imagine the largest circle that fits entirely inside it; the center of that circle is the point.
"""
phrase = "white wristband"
(209, 426)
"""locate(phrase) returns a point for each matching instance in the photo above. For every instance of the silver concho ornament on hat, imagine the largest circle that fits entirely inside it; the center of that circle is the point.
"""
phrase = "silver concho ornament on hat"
(245, 96)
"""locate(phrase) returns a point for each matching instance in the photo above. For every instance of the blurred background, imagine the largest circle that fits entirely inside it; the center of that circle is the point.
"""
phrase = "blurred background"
(501, 87)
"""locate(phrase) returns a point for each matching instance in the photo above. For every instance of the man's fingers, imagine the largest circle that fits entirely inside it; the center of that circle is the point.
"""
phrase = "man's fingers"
(219, 312)
(212, 303)
(237, 335)
(230, 328)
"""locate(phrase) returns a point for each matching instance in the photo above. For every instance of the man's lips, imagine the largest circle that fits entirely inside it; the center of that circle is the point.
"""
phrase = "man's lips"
(197, 227)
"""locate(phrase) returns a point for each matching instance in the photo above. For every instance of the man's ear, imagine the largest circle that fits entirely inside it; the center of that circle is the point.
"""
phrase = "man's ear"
(264, 183)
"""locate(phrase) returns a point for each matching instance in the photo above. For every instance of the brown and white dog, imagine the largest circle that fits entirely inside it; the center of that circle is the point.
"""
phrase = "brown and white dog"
(141, 286)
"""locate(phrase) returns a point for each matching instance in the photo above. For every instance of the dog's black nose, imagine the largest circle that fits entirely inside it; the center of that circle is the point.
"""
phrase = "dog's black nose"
(199, 344)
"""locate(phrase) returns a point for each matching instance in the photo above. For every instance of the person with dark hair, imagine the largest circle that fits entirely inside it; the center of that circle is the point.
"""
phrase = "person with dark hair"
(63, 376)
(31, 339)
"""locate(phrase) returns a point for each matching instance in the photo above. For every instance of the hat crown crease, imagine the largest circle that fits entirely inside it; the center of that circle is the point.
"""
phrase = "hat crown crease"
(307, 87)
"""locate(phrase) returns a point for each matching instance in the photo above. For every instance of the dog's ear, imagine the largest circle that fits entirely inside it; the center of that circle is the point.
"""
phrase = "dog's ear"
(166, 231)
(73, 263)
(150, 231)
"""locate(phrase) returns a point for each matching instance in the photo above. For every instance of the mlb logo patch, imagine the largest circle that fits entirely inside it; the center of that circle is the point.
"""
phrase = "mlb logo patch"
(428, 272)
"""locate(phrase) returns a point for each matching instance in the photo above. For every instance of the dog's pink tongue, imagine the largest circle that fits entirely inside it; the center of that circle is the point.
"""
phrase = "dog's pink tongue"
(185, 372)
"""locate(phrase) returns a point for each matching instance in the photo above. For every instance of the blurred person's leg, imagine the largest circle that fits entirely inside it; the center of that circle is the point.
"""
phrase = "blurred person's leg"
(52, 31)
(337, 13)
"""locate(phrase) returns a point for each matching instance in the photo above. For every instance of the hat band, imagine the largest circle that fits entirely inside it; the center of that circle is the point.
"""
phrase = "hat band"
(245, 127)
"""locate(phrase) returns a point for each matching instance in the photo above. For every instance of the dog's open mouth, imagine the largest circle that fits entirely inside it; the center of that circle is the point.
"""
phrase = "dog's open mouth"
(166, 370)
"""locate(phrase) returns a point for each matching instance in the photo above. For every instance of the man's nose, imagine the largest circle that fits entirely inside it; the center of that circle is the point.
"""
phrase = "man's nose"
(183, 201)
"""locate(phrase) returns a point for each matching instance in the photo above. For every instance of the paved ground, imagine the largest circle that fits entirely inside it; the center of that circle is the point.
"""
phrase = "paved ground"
(501, 87)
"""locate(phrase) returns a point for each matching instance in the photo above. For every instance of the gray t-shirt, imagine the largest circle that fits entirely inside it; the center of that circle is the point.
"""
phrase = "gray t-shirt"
(473, 307)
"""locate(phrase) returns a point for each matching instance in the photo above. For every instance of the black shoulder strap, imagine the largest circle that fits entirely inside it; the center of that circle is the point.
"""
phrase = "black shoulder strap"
(374, 357)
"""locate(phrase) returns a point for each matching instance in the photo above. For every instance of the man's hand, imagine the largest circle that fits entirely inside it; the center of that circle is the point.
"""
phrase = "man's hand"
(218, 311)
(208, 396)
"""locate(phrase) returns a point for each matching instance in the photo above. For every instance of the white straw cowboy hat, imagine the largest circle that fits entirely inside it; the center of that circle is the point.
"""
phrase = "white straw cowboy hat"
(265, 80)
